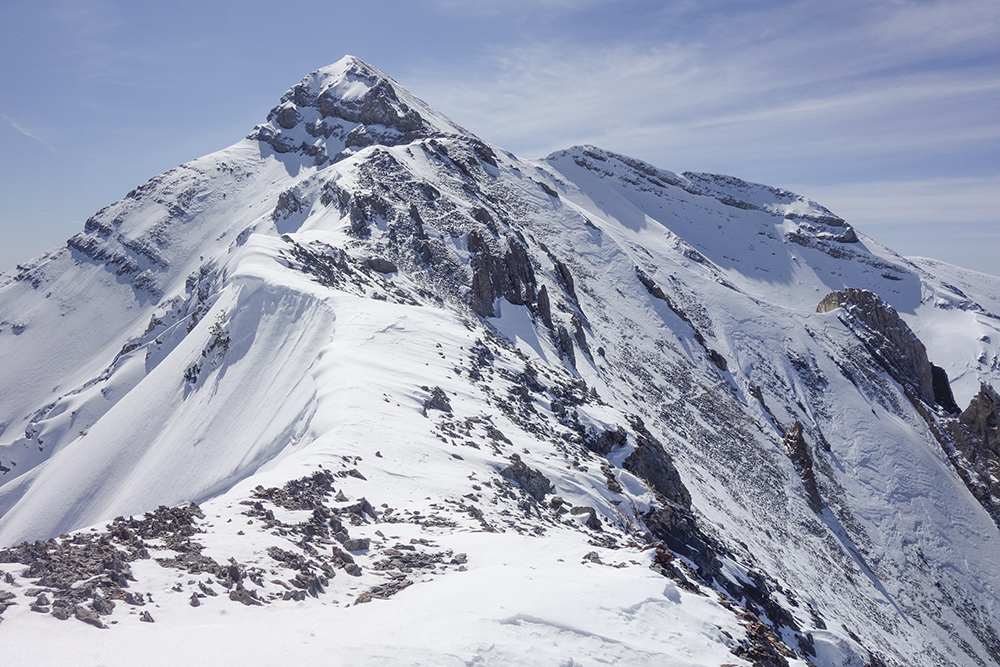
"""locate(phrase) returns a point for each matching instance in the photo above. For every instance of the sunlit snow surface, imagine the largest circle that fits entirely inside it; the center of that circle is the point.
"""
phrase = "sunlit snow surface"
(118, 398)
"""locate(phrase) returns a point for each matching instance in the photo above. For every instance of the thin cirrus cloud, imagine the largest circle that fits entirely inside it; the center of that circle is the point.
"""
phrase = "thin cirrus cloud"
(658, 100)
(784, 92)
(29, 132)
(953, 219)
(871, 77)
(888, 112)
(943, 201)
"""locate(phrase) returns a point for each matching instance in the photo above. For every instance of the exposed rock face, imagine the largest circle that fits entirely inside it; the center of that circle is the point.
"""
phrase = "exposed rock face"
(564, 277)
(979, 440)
(982, 420)
(379, 106)
(287, 116)
(380, 265)
(887, 338)
(673, 521)
(798, 452)
(534, 483)
(565, 346)
(350, 105)
(975, 434)
(438, 401)
(606, 441)
(652, 463)
(508, 275)
(942, 390)
(377, 116)
(544, 307)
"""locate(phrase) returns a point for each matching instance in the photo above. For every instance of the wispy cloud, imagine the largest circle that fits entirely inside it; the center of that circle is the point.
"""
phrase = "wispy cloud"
(868, 78)
(59, 217)
(944, 201)
(955, 220)
(31, 133)
(490, 7)
(886, 111)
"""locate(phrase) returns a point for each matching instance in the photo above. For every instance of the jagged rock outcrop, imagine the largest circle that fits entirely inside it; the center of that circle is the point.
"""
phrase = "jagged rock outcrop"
(438, 400)
(982, 421)
(345, 107)
(544, 306)
(978, 438)
(887, 338)
(942, 390)
(652, 463)
(974, 434)
(500, 273)
(607, 440)
(534, 483)
(798, 452)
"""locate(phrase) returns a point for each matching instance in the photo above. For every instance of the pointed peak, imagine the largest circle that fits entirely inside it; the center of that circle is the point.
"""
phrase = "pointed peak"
(347, 106)
(348, 78)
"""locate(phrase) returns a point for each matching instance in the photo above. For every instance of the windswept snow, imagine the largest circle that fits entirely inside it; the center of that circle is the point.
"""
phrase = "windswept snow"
(305, 302)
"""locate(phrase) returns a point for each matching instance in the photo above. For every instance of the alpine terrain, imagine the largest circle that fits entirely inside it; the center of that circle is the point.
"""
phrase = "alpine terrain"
(365, 389)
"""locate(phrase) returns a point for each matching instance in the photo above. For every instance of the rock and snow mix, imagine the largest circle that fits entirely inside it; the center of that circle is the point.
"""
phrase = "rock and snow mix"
(367, 390)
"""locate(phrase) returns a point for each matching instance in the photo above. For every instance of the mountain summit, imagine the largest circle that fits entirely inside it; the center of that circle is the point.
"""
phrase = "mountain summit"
(364, 386)
(345, 107)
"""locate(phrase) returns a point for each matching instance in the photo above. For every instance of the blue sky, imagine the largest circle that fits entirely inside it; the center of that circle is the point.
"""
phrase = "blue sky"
(885, 111)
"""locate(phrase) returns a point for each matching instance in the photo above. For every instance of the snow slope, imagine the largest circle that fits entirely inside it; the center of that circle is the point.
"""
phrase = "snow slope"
(364, 288)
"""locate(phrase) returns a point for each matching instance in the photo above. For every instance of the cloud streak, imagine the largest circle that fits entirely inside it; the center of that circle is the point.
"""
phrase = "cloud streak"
(31, 133)
(943, 200)
(779, 81)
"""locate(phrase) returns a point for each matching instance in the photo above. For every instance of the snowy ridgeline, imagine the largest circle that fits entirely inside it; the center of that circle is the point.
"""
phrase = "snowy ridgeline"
(404, 398)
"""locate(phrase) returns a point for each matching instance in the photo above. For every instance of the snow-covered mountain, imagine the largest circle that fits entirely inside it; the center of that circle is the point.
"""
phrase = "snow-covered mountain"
(365, 389)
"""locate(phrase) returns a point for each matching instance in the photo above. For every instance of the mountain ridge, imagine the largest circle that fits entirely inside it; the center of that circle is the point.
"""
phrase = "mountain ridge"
(631, 358)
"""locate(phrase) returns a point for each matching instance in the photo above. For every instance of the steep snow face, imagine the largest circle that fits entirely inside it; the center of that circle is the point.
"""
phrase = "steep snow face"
(581, 367)
(789, 252)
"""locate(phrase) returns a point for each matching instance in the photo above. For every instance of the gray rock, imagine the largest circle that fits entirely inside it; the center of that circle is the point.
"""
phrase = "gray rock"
(887, 337)
(592, 521)
(607, 440)
(87, 616)
(242, 595)
(564, 277)
(438, 401)
(652, 463)
(357, 544)
(288, 204)
(544, 307)
(288, 117)
(565, 345)
(534, 483)
(497, 273)
(381, 265)
(982, 422)
(798, 452)
(102, 606)
(977, 435)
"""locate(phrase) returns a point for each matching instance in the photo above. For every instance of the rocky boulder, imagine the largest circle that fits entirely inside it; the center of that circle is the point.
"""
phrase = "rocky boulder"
(651, 462)
(534, 483)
